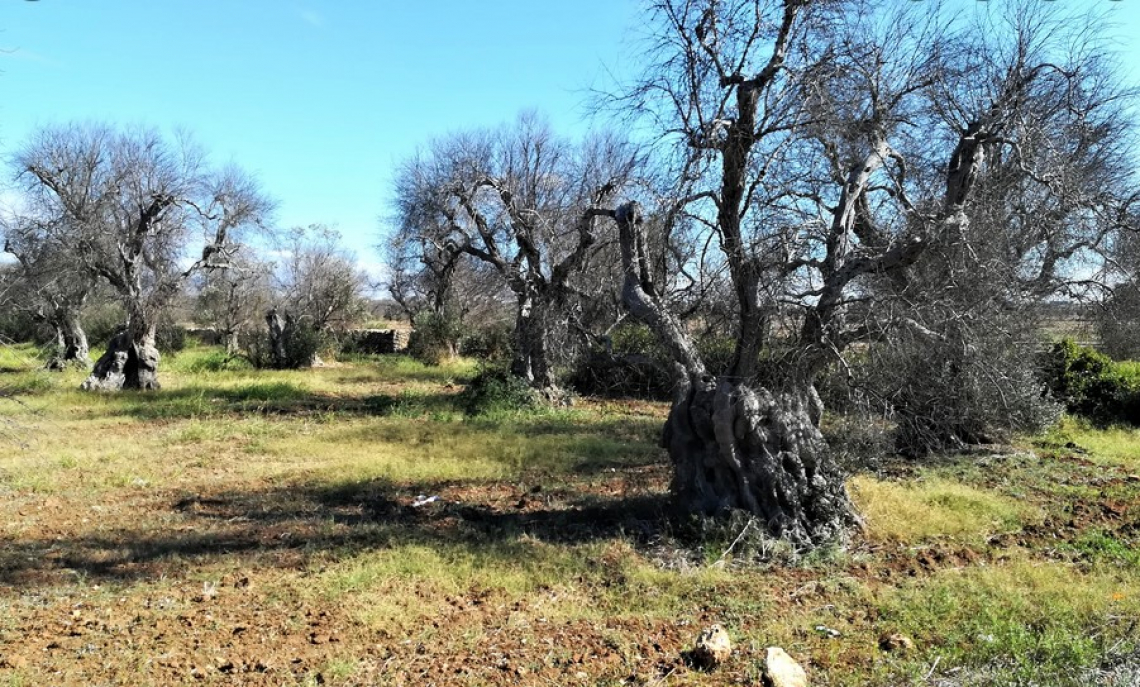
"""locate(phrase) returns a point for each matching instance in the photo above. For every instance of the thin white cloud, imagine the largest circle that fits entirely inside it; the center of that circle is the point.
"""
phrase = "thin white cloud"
(311, 17)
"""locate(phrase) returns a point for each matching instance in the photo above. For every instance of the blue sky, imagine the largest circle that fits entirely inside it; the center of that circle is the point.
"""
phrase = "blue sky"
(320, 99)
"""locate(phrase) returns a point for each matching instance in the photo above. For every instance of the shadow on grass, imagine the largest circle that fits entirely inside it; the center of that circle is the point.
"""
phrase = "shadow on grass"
(266, 528)
(269, 398)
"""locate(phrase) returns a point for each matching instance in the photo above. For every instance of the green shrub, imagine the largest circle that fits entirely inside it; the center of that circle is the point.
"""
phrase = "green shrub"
(1091, 385)
(435, 337)
(635, 338)
(169, 338)
(492, 343)
(213, 359)
(20, 327)
(303, 343)
(496, 390)
(102, 321)
(717, 352)
(632, 365)
(621, 375)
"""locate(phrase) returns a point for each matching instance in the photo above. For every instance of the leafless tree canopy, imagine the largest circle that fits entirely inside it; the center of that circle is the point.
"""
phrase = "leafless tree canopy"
(130, 204)
(524, 202)
(852, 161)
(318, 281)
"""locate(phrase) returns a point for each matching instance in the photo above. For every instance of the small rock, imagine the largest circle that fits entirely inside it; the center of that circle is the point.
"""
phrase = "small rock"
(893, 641)
(781, 670)
(713, 647)
(828, 631)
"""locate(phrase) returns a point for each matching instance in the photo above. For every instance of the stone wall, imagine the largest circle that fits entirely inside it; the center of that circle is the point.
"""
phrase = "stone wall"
(375, 340)
(355, 340)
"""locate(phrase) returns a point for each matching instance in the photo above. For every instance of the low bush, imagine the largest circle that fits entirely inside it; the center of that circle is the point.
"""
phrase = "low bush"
(491, 343)
(170, 338)
(435, 338)
(496, 390)
(1091, 385)
(625, 375)
(630, 364)
(302, 345)
(941, 395)
(102, 321)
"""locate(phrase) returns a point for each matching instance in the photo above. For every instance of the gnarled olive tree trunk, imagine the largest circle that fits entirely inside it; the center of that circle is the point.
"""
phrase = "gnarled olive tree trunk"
(131, 361)
(738, 447)
(531, 360)
(735, 445)
(70, 340)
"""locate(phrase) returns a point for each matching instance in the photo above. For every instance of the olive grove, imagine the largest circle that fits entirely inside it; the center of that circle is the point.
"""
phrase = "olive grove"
(127, 204)
(524, 202)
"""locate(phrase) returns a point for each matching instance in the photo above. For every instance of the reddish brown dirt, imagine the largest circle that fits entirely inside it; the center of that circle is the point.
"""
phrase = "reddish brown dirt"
(167, 588)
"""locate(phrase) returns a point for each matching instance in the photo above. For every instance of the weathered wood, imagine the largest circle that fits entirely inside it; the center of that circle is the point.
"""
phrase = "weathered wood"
(131, 362)
(735, 446)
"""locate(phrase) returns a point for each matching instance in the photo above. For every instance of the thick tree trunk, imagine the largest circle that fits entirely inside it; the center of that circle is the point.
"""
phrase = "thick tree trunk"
(531, 360)
(279, 329)
(284, 343)
(131, 362)
(233, 346)
(75, 348)
(70, 342)
(735, 447)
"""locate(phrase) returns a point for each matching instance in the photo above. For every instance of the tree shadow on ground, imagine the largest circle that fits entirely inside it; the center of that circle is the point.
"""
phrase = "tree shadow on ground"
(269, 398)
(286, 526)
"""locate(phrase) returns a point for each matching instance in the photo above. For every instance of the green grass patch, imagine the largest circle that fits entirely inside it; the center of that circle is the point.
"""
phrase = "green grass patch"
(933, 508)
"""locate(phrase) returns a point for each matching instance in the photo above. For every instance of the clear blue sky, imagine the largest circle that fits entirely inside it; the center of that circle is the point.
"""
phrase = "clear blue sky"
(320, 99)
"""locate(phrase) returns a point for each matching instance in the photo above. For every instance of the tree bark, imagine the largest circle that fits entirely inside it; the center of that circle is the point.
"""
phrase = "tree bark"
(131, 362)
(279, 328)
(531, 357)
(735, 446)
(71, 343)
(284, 344)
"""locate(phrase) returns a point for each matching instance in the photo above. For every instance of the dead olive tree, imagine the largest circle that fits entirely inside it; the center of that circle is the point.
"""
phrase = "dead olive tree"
(52, 285)
(234, 300)
(133, 205)
(810, 138)
(318, 280)
(318, 293)
(527, 203)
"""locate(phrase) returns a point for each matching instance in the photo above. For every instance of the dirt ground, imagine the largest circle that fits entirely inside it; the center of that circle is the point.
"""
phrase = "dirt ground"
(220, 580)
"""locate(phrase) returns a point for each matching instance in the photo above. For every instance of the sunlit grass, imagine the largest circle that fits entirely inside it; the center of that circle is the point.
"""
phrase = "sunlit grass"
(1036, 617)
(933, 508)
(1109, 446)
(308, 453)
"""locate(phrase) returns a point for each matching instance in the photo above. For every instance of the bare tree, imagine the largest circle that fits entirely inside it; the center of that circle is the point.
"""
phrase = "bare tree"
(525, 202)
(53, 286)
(422, 272)
(130, 202)
(828, 147)
(318, 280)
(234, 300)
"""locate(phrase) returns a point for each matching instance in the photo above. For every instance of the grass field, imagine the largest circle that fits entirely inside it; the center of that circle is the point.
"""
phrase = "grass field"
(262, 528)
